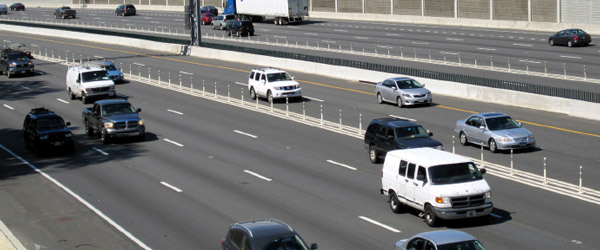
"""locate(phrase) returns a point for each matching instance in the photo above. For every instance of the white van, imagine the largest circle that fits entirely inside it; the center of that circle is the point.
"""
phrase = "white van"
(440, 184)
(87, 82)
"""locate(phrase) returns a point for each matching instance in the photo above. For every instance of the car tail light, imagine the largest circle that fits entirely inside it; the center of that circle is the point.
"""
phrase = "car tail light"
(222, 240)
(576, 37)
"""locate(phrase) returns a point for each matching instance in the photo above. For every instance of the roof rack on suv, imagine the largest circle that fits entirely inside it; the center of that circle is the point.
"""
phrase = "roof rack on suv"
(282, 223)
(39, 111)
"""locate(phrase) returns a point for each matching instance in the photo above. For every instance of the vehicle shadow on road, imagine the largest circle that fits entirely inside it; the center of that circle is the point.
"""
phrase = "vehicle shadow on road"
(498, 216)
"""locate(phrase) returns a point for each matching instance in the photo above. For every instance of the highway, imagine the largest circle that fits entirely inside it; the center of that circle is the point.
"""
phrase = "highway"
(523, 50)
(233, 164)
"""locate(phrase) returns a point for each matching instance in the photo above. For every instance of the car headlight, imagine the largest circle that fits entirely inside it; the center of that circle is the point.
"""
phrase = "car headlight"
(505, 139)
(69, 135)
(439, 147)
(531, 137)
(30, 64)
(488, 195)
(442, 200)
(12, 65)
(141, 122)
(108, 125)
(406, 95)
(43, 137)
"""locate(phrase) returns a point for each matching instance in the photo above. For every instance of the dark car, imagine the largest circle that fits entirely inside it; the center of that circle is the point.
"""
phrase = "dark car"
(209, 9)
(45, 131)
(263, 235)
(385, 134)
(125, 10)
(207, 18)
(17, 6)
(240, 27)
(13, 62)
(570, 37)
(64, 12)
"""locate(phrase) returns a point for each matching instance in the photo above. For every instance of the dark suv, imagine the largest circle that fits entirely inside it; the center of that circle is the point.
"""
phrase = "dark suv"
(240, 27)
(263, 235)
(385, 134)
(125, 10)
(45, 131)
(13, 62)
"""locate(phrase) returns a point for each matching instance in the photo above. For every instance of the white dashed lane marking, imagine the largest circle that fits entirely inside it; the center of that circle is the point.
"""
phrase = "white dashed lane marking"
(489, 49)
(174, 143)
(570, 57)
(495, 215)
(61, 100)
(422, 43)
(313, 99)
(455, 39)
(175, 111)
(8, 107)
(257, 175)
(246, 134)
(100, 151)
(522, 45)
(171, 187)
(340, 164)
(379, 224)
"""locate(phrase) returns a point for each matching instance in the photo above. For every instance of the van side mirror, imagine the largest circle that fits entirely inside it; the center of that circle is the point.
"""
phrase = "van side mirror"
(293, 77)
(429, 133)
(520, 124)
(68, 124)
(313, 246)
(138, 110)
(263, 81)
(482, 171)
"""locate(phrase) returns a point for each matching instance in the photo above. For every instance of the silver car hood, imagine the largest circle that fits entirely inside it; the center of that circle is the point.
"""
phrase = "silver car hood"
(417, 91)
(513, 133)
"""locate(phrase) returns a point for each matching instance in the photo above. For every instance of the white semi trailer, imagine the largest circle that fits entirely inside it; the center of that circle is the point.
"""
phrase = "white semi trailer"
(282, 11)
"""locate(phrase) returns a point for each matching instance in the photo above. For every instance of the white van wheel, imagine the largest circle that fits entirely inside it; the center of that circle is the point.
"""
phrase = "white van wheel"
(430, 217)
(395, 204)
(252, 93)
(71, 95)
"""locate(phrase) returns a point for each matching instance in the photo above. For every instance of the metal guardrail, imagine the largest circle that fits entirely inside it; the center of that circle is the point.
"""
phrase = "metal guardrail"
(460, 78)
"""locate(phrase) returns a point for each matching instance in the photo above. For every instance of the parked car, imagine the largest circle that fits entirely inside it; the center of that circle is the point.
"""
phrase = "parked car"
(113, 71)
(87, 82)
(496, 131)
(402, 91)
(17, 7)
(209, 9)
(114, 118)
(240, 27)
(125, 10)
(440, 184)
(207, 18)
(386, 134)
(570, 37)
(3, 8)
(273, 84)
(64, 12)
(13, 62)
(45, 131)
(440, 240)
(263, 235)
(220, 22)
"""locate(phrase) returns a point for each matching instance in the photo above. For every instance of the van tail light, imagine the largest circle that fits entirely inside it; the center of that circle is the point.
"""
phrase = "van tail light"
(381, 173)
(222, 240)
(576, 37)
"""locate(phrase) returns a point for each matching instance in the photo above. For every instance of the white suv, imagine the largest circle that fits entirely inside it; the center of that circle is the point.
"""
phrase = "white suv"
(273, 84)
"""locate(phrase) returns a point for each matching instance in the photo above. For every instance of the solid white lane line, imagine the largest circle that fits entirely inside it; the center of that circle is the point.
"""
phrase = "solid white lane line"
(100, 151)
(522, 44)
(246, 134)
(61, 100)
(455, 39)
(495, 215)
(420, 42)
(257, 175)
(8, 107)
(24, 87)
(243, 84)
(571, 57)
(171, 187)
(77, 197)
(313, 99)
(404, 118)
(341, 164)
(175, 111)
(379, 224)
(175, 143)
(491, 49)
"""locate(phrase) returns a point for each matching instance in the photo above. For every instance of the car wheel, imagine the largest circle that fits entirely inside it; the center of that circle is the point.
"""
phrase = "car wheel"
(395, 204)
(84, 98)
(275, 21)
(212, 25)
(71, 95)
(463, 138)
(237, 33)
(551, 42)
(64, 17)
(252, 93)
(203, 23)
(269, 97)
(251, 33)
(379, 98)
(430, 217)
(399, 102)
(493, 146)
(570, 44)
(88, 130)
(8, 74)
(373, 154)
(104, 137)
(116, 14)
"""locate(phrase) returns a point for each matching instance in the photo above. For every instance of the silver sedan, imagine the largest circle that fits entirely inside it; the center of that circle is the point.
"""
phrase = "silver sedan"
(496, 131)
(402, 91)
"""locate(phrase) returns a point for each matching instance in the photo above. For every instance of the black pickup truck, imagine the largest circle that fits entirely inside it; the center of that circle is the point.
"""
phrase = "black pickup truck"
(64, 12)
(113, 118)
(13, 62)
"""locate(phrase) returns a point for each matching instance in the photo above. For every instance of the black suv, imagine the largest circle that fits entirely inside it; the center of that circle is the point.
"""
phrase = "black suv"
(13, 62)
(125, 10)
(44, 130)
(263, 235)
(386, 134)
(240, 27)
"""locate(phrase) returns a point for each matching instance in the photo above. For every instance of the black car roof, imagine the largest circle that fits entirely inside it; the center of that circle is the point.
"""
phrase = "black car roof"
(264, 228)
(395, 122)
(41, 112)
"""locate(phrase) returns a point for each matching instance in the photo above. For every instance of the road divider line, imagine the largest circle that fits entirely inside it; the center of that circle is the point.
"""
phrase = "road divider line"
(570, 57)
(313, 99)
(529, 61)
(361, 38)
(522, 45)
(391, 34)
(341, 164)
(24, 87)
(257, 175)
(246, 134)
(404, 118)
(243, 84)
(139, 64)
(379, 224)
(422, 43)
(175, 111)
(340, 30)
(8, 107)
(495, 215)
(489, 49)
(77, 197)
(100, 151)
(172, 142)
(455, 39)
(186, 73)
(61, 100)
(171, 187)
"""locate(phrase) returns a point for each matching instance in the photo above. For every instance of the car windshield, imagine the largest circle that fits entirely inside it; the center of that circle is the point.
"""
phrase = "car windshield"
(117, 109)
(409, 84)
(501, 123)
(465, 245)
(66, 8)
(454, 173)
(19, 57)
(95, 76)
(282, 76)
(50, 123)
(288, 242)
(109, 67)
(411, 132)
(577, 32)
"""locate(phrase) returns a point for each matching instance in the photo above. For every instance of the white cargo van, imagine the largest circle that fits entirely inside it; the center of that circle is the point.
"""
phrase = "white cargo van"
(86, 82)
(440, 184)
